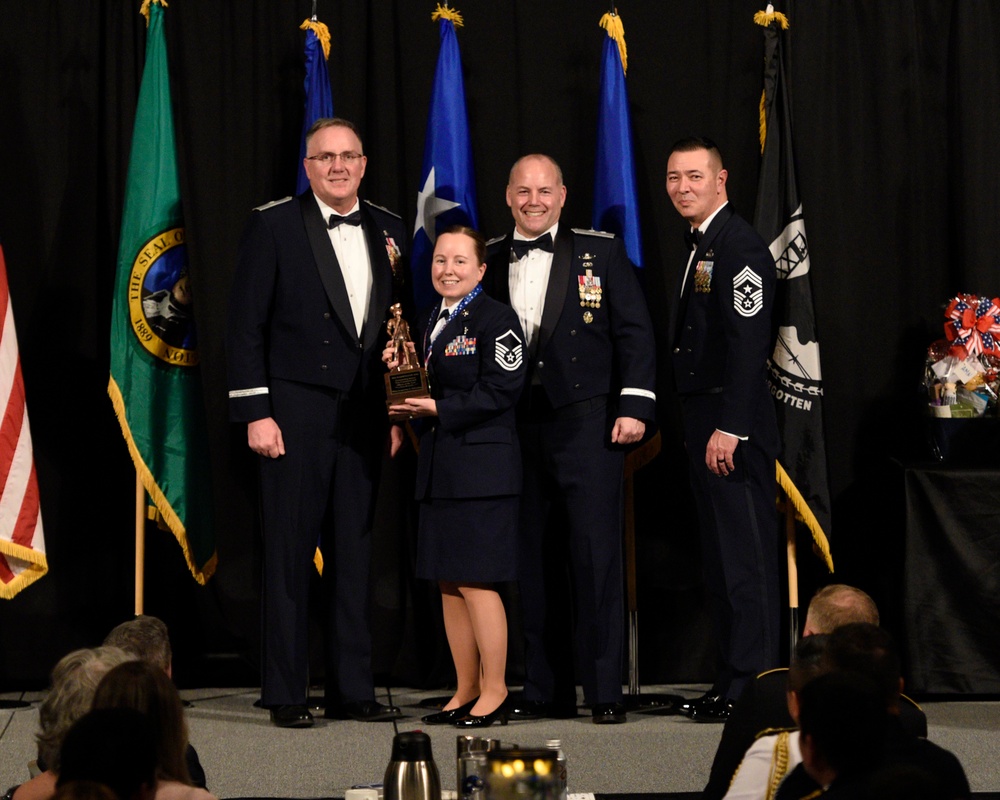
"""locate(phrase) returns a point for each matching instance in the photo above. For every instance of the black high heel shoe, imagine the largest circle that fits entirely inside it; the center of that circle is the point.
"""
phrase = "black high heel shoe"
(452, 714)
(484, 720)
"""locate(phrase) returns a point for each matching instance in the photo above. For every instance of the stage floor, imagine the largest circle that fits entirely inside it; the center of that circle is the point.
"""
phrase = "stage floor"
(245, 756)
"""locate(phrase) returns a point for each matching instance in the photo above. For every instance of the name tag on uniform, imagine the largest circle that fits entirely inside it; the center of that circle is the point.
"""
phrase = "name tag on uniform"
(703, 276)
(461, 346)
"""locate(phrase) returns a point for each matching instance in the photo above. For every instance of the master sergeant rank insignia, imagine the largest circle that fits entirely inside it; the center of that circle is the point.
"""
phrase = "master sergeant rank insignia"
(509, 352)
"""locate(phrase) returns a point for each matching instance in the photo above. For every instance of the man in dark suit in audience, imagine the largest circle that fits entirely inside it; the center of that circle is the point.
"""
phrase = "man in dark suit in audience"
(763, 706)
(314, 281)
(590, 393)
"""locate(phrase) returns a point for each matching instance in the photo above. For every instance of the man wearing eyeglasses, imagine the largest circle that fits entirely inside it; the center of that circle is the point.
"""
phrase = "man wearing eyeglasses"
(315, 277)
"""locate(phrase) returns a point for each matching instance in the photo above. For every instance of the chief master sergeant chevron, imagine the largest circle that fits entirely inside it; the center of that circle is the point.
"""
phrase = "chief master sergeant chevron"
(313, 285)
(720, 340)
(590, 391)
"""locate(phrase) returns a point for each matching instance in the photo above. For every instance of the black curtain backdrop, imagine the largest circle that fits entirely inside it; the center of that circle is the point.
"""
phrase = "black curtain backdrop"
(894, 110)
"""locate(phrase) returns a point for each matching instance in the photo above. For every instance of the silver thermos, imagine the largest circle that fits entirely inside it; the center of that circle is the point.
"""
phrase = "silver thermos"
(412, 773)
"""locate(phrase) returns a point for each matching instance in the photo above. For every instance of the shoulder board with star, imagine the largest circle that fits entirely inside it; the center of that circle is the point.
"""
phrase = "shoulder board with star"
(383, 208)
(273, 203)
(496, 240)
(592, 232)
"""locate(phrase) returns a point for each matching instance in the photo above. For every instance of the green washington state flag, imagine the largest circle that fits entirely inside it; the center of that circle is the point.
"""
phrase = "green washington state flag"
(155, 383)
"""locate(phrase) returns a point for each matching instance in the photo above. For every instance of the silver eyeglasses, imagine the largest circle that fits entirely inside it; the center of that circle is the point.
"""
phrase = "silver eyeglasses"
(348, 157)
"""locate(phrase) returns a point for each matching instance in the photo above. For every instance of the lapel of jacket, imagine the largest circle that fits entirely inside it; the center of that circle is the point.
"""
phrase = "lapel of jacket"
(381, 269)
(555, 292)
(497, 278)
(326, 261)
(704, 247)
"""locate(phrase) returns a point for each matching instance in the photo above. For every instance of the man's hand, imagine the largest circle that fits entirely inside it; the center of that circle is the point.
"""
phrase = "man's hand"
(627, 430)
(264, 437)
(719, 453)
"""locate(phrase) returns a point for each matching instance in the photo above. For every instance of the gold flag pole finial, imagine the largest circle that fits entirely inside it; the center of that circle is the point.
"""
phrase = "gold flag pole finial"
(444, 12)
(612, 23)
(144, 8)
(322, 33)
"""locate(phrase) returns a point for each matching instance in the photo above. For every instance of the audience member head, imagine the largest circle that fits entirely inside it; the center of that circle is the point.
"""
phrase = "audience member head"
(84, 790)
(145, 638)
(113, 747)
(74, 680)
(142, 687)
(841, 726)
(836, 605)
(808, 662)
(869, 650)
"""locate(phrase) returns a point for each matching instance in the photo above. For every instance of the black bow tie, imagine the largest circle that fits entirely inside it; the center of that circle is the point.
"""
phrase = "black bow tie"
(354, 218)
(522, 247)
(693, 237)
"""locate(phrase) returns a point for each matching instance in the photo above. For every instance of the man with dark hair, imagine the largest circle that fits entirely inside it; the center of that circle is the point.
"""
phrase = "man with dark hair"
(315, 278)
(867, 650)
(114, 747)
(590, 393)
(720, 341)
(763, 704)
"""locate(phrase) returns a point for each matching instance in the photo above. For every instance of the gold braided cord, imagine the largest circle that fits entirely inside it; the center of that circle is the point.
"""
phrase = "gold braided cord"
(322, 33)
(443, 12)
(612, 23)
(779, 765)
(144, 8)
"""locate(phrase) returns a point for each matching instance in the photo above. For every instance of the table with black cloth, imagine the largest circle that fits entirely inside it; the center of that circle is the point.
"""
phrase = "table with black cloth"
(951, 581)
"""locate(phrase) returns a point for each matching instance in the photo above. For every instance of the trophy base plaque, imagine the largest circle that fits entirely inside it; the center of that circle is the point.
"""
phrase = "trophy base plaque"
(404, 383)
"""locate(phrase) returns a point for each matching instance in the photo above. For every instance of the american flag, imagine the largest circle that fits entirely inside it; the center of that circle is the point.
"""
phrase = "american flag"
(22, 545)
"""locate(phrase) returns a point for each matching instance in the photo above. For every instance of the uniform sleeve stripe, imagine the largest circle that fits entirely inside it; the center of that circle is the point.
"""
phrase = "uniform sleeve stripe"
(640, 393)
(248, 392)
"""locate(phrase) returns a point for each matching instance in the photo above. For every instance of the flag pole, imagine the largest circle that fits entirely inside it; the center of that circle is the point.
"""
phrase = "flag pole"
(140, 543)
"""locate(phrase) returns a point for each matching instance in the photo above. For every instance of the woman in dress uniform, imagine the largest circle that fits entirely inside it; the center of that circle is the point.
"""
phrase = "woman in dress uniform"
(468, 469)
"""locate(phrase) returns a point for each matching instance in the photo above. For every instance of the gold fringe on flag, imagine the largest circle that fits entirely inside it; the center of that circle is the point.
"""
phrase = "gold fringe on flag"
(612, 23)
(443, 12)
(765, 18)
(322, 33)
(802, 511)
(144, 8)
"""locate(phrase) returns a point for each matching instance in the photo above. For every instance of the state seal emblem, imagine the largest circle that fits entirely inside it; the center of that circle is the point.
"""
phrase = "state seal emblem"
(161, 312)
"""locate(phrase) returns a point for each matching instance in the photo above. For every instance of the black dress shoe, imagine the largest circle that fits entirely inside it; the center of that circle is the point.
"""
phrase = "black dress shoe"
(449, 716)
(291, 716)
(688, 707)
(483, 720)
(364, 711)
(539, 709)
(719, 711)
(609, 713)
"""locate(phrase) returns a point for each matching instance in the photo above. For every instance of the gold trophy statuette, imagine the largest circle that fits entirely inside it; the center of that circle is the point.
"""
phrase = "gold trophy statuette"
(407, 378)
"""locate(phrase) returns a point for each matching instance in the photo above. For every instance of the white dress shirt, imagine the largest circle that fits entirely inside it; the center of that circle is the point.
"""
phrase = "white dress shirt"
(528, 281)
(352, 254)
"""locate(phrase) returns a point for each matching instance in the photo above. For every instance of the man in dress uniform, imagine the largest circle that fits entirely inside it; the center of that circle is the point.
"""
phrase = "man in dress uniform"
(589, 393)
(313, 286)
(721, 337)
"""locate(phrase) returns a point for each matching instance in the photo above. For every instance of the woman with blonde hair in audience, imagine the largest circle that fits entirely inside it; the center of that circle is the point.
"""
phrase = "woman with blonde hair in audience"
(147, 689)
(74, 680)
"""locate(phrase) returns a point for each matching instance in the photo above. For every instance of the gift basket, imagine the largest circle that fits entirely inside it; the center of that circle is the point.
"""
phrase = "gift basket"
(962, 372)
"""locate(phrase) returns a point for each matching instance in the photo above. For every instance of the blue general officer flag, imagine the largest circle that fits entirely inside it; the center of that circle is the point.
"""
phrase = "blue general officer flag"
(616, 203)
(319, 96)
(447, 193)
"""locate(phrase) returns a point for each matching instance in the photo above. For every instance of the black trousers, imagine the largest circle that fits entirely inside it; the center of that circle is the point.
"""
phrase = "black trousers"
(570, 466)
(320, 493)
(740, 541)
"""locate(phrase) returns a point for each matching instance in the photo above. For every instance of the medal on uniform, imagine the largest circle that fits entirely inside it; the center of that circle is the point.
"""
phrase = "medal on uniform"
(588, 317)
(703, 276)
(589, 286)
